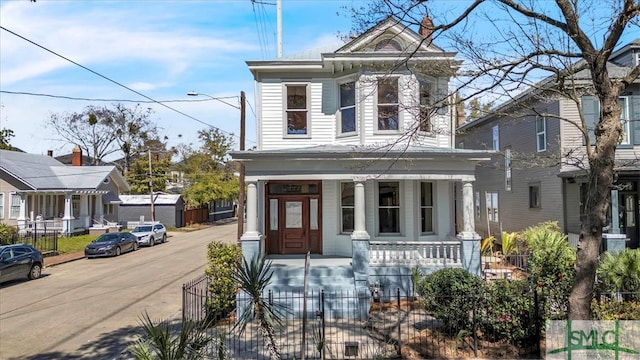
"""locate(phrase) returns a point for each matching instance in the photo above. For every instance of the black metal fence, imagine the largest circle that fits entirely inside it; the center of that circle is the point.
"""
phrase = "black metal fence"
(45, 241)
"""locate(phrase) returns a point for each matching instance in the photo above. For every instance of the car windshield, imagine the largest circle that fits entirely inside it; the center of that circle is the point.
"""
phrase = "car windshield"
(106, 238)
(142, 229)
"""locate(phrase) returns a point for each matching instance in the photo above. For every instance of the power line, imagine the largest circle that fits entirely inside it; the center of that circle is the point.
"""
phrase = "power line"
(115, 82)
(119, 100)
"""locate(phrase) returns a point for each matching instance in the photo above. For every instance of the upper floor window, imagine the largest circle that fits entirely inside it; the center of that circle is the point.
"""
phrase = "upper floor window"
(297, 110)
(347, 108)
(1, 206)
(425, 106)
(507, 169)
(541, 133)
(495, 133)
(624, 119)
(388, 106)
(389, 207)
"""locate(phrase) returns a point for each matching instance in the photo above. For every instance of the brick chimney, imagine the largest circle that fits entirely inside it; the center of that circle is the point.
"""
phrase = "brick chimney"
(50, 153)
(76, 156)
(426, 28)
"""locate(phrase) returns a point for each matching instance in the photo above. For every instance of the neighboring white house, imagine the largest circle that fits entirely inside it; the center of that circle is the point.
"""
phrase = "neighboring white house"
(355, 155)
(38, 192)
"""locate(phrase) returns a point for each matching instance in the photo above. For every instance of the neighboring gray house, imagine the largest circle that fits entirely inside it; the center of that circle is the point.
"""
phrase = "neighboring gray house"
(169, 208)
(37, 191)
(531, 179)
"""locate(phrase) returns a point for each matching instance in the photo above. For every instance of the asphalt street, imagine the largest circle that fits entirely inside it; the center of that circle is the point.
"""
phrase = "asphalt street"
(91, 308)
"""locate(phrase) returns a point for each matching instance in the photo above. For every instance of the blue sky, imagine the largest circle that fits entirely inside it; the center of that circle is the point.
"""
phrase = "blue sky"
(160, 48)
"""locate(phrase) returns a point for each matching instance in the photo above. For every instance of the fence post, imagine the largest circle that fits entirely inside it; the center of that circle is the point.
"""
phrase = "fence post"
(536, 309)
(474, 329)
(399, 322)
(324, 339)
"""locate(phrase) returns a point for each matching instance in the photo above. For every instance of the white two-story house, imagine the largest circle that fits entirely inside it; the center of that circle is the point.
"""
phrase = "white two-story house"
(355, 155)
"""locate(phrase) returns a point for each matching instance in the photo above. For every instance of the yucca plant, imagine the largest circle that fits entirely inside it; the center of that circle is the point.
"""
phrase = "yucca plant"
(253, 277)
(509, 243)
(620, 272)
(163, 342)
(486, 246)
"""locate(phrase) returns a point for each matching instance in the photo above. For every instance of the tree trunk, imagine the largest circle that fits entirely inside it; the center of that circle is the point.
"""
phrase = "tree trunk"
(600, 179)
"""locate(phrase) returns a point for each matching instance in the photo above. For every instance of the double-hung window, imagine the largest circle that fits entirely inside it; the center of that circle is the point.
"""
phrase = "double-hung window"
(389, 207)
(534, 196)
(624, 119)
(14, 210)
(495, 136)
(507, 169)
(492, 206)
(347, 108)
(388, 106)
(297, 109)
(347, 207)
(424, 94)
(1, 206)
(426, 207)
(541, 133)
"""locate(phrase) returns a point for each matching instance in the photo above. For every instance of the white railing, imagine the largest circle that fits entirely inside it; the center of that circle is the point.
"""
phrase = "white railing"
(415, 253)
(41, 225)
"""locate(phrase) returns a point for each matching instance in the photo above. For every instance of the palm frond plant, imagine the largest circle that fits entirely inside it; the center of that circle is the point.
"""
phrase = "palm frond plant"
(620, 273)
(509, 242)
(253, 277)
(162, 341)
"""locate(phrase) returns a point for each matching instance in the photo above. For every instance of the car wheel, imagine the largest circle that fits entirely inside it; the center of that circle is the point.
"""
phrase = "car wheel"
(152, 241)
(35, 272)
(164, 238)
(118, 251)
(135, 246)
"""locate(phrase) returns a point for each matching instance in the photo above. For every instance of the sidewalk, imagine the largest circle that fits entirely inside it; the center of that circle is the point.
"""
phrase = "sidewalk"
(64, 258)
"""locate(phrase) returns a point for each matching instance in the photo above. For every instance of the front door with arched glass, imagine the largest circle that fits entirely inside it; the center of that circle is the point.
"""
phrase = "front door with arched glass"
(294, 225)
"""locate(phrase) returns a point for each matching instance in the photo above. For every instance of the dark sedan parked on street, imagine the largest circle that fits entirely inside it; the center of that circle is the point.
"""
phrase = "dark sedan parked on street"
(19, 260)
(111, 244)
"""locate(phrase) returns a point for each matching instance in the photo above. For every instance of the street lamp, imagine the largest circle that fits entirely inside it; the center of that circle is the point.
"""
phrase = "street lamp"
(241, 196)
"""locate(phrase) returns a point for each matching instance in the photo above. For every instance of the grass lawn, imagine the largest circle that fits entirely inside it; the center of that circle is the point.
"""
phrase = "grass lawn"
(73, 244)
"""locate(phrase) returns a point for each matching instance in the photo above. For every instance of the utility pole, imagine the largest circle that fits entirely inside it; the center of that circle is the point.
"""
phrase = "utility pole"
(153, 208)
(241, 196)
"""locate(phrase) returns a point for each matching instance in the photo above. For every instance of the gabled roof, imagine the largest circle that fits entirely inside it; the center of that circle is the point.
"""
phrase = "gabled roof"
(40, 172)
(582, 78)
(388, 41)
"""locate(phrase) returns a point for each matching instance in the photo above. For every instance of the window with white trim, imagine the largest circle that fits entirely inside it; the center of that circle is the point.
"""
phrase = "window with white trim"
(495, 134)
(426, 207)
(297, 109)
(389, 207)
(624, 119)
(75, 203)
(541, 133)
(347, 119)
(14, 209)
(1, 205)
(424, 97)
(492, 206)
(388, 104)
(507, 169)
(477, 204)
(347, 205)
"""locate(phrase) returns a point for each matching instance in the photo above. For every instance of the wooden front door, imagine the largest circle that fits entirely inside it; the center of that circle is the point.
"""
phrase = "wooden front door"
(295, 225)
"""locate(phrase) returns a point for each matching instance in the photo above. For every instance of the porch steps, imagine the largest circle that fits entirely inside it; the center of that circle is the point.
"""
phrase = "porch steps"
(333, 275)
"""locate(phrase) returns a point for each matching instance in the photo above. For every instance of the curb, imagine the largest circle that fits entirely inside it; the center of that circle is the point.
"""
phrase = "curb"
(70, 258)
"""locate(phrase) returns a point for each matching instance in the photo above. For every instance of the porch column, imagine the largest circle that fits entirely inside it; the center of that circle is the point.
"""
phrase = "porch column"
(98, 210)
(22, 214)
(470, 240)
(85, 218)
(251, 240)
(360, 238)
(68, 214)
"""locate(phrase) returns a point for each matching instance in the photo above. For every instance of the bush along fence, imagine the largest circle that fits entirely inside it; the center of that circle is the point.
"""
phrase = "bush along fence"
(46, 241)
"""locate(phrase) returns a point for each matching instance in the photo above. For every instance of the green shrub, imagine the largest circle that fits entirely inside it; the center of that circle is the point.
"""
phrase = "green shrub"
(7, 233)
(550, 265)
(620, 273)
(451, 295)
(509, 312)
(222, 259)
(614, 309)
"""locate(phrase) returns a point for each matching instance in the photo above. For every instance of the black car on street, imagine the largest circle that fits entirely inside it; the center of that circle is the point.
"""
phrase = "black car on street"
(18, 261)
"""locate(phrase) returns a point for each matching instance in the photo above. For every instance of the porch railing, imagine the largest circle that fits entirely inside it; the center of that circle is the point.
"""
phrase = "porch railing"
(415, 253)
(44, 225)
